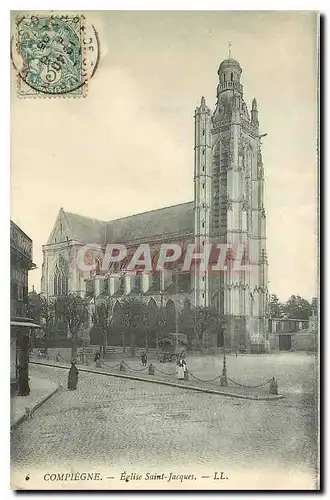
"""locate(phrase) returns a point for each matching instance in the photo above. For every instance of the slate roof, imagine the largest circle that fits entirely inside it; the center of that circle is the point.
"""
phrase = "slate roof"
(86, 230)
(154, 223)
(150, 224)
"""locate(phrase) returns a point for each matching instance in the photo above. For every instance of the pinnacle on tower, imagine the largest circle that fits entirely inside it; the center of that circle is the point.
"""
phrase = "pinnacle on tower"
(254, 112)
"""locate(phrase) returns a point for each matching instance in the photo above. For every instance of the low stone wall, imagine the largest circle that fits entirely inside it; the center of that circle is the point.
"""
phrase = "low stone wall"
(304, 341)
(65, 353)
(300, 341)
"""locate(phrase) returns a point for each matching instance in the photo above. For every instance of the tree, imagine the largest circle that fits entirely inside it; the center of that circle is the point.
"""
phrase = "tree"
(152, 327)
(207, 321)
(102, 319)
(315, 305)
(34, 306)
(161, 323)
(276, 308)
(297, 307)
(134, 313)
(74, 311)
(187, 324)
(42, 311)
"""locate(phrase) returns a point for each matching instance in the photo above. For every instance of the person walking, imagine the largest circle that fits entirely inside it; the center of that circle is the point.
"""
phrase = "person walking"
(185, 369)
(180, 370)
(144, 359)
(97, 359)
(73, 377)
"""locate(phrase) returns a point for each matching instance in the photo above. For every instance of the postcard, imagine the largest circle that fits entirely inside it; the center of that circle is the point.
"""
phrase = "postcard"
(164, 250)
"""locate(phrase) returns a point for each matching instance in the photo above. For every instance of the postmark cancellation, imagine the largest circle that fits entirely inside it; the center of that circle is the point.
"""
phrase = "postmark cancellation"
(54, 55)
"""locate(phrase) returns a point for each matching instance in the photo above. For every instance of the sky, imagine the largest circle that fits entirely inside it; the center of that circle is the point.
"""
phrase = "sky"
(128, 146)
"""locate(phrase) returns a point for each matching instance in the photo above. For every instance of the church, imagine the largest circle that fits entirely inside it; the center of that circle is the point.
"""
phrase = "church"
(228, 208)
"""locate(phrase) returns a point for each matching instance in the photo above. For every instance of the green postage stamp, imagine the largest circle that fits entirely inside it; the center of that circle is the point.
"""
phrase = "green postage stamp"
(54, 55)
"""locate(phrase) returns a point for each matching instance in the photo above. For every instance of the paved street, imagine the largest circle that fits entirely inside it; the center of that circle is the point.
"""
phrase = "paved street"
(117, 422)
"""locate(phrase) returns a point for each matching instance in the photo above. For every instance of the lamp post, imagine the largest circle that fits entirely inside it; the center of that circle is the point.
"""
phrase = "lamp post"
(176, 312)
(162, 320)
(223, 377)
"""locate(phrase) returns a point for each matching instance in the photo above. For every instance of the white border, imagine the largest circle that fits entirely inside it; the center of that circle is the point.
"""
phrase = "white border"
(5, 8)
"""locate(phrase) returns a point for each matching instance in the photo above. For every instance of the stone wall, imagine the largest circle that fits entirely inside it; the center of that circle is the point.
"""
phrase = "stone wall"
(302, 341)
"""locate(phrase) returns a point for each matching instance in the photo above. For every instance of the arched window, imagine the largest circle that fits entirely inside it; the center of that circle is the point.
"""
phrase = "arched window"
(152, 313)
(117, 315)
(61, 277)
(170, 315)
(231, 77)
(218, 301)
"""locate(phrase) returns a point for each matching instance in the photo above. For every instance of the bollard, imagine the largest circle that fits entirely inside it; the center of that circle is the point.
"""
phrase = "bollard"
(57, 359)
(273, 386)
(185, 374)
(122, 367)
(151, 370)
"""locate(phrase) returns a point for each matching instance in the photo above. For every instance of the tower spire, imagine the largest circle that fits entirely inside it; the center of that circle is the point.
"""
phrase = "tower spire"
(229, 50)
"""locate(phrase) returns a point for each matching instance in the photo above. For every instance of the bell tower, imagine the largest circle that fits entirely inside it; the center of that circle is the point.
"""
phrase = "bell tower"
(238, 216)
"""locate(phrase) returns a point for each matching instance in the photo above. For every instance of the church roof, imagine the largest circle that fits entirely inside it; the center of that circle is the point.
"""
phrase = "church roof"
(86, 230)
(150, 224)
(158, 222)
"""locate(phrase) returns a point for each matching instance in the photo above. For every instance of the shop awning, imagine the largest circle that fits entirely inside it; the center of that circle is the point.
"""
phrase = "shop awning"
(24, 323)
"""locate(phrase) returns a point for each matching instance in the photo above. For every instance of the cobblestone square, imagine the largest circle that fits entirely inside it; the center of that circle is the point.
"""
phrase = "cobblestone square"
(125, 423)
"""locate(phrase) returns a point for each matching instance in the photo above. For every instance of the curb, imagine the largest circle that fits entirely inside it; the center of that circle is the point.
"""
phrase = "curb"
(171, 384)
(23, 417)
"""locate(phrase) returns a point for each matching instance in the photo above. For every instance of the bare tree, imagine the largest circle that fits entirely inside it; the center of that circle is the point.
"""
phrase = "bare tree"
(74, 311)
(135, 317)
(206, 321)
(102, 319)
(42, 311)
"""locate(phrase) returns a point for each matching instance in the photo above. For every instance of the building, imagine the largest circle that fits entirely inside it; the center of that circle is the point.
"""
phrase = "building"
(20, 324)
(288, 334)
(282, 332)
(228, 208)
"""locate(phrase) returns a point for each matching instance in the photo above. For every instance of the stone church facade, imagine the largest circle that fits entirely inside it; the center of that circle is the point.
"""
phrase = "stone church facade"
(228, 208)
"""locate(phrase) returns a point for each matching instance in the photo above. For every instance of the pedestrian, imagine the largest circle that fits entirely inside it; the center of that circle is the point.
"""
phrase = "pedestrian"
(185, 369)
(97, 359)
(180, 370)
(73, 377)
(144, 359)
